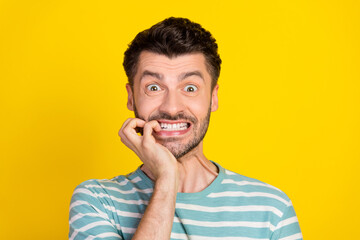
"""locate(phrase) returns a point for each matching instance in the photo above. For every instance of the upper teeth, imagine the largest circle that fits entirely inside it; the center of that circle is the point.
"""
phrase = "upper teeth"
(173, 127)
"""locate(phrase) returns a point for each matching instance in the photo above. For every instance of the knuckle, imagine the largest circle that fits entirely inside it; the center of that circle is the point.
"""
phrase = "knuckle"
(126, 130)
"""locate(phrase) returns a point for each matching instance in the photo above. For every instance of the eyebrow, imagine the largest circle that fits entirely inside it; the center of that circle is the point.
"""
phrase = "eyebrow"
(181, 77)
(189, 74)
(151, 74)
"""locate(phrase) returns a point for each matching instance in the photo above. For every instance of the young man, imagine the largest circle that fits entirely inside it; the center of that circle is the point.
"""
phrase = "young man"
(177, 193)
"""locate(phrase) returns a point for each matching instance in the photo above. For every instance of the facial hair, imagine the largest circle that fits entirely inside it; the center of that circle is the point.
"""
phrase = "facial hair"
(199, 129)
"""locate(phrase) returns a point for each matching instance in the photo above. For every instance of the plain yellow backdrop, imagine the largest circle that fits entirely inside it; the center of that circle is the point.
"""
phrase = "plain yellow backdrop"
(289, 102)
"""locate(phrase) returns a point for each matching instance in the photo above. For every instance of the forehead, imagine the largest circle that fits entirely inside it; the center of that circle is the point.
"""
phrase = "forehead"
(158, 63)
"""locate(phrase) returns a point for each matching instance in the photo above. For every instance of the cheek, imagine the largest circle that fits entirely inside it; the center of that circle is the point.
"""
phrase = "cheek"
(199, 107)
(146, 106)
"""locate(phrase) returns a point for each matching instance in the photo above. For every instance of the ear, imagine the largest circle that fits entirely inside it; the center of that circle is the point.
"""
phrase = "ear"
(130, 102)
(214, 98)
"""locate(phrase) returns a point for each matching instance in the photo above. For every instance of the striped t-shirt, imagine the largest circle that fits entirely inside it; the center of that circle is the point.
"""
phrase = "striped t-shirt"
(232, 207)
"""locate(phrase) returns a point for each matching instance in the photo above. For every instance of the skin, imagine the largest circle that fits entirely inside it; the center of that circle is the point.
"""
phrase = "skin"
(180, 89)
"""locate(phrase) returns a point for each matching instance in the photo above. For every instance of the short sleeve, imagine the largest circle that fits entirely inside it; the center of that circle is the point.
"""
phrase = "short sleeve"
(288, 227)
(88, 219)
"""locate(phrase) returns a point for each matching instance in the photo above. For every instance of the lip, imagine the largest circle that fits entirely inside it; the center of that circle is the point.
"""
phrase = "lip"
(173, 133)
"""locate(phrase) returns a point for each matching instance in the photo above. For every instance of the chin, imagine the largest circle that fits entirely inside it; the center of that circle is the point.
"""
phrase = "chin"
(180, 150)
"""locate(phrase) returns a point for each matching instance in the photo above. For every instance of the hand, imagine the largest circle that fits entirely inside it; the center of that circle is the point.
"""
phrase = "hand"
(157, 158)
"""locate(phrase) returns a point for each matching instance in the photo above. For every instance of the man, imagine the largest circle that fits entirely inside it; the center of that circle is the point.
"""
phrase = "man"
(177, 193)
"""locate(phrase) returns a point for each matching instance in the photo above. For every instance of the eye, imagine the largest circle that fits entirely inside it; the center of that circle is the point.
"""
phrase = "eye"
(153, 87)
(190, 88)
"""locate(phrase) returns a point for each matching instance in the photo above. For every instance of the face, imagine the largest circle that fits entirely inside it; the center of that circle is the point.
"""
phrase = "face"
(177, 93)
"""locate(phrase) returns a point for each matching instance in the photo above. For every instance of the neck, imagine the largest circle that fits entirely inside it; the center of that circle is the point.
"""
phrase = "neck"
(196, 172)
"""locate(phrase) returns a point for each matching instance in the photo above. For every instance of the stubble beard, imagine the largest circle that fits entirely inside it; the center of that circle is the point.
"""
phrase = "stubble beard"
(199, 129)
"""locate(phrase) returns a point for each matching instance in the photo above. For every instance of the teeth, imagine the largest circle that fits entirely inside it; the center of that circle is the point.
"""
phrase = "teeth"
(173, 127)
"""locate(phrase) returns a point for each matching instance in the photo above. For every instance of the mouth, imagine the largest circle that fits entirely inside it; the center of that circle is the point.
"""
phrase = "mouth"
(173, 128)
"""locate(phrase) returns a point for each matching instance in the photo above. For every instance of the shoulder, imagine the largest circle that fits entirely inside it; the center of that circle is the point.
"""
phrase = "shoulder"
(254, 189)
(267, 198)
(231, 176)
(105, 188)
(93, 208)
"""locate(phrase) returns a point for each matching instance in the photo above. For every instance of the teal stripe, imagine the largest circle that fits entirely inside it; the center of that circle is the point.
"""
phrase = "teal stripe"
(257, 216)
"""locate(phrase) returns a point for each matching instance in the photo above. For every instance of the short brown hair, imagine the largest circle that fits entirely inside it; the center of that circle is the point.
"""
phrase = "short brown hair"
(173, 37)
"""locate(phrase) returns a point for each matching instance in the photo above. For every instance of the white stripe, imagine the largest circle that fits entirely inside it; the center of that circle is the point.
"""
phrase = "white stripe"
(243, 183)
(135, 180)
(128, 230)
(197, 237)
(102, 195)
(87, 192)
(110, 208)
(250, 208)
(123, 213)
(251, 194)
(89, 226)
(292, 237)
(118, 227)
(98, 214)
(229, 172)
(80, 215)
(122, 183)
(179, 236)
(226, 223)
(286, 222)
(133, 190)
(80, 202)
(103, 235)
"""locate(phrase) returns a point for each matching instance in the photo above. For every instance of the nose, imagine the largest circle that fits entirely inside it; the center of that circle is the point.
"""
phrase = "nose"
(172, 103)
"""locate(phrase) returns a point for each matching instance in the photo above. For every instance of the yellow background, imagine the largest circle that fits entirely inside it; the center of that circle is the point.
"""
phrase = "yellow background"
(289, 103)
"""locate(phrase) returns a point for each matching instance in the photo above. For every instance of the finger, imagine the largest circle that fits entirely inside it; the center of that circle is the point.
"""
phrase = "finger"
(124, 139)
(124, 124)
(132, 123)
(157, 127)
(135, 123)
(130, 132)
(148, 130)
